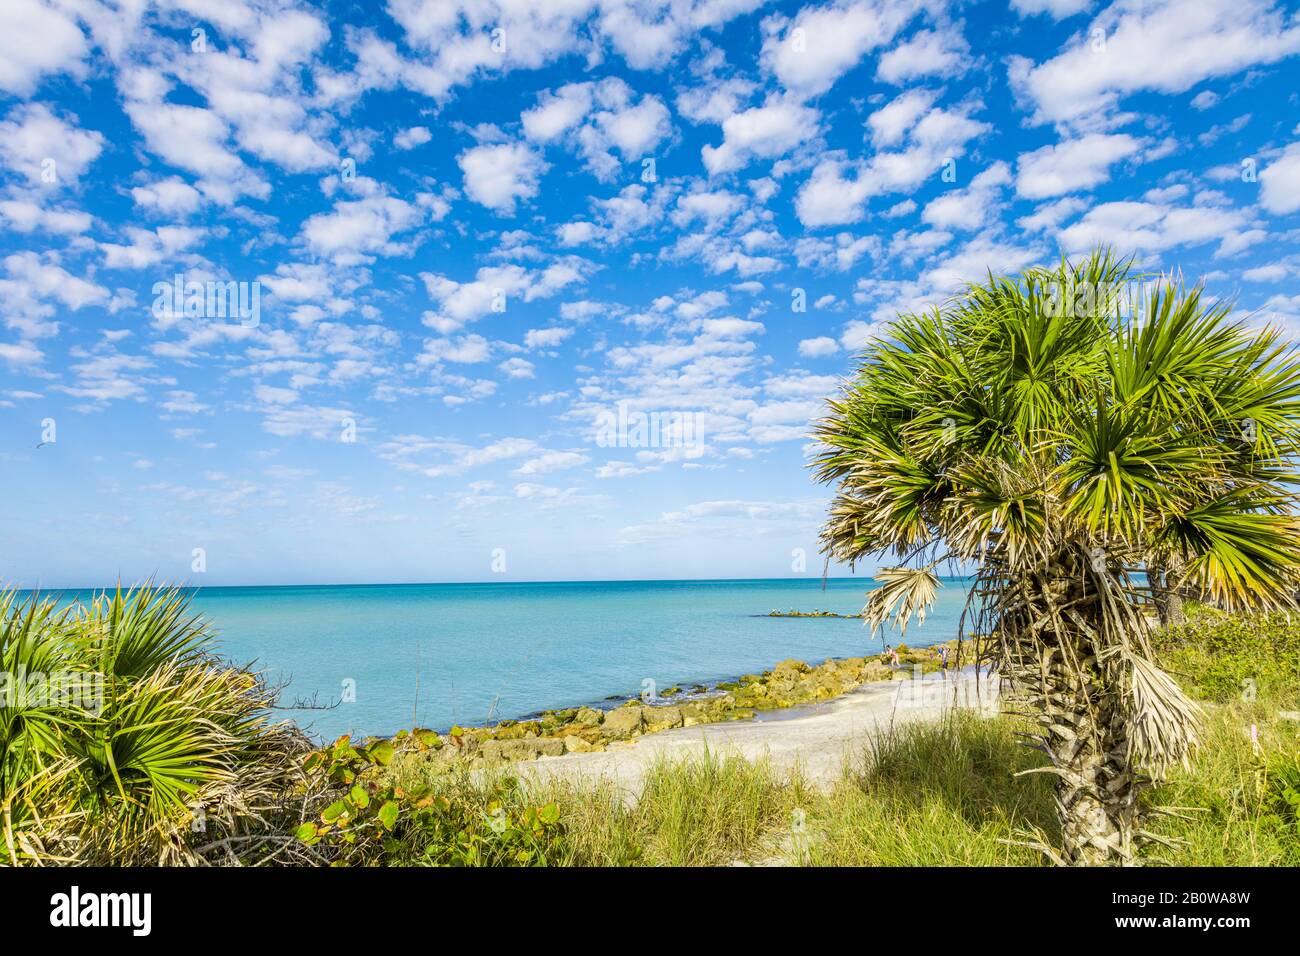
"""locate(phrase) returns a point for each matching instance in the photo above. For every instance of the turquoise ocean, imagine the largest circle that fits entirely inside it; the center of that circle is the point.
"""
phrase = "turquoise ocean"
(443, 654)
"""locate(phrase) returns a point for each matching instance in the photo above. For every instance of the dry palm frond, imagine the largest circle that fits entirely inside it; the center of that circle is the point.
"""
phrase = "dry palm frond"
(904, 593)
(1164, 723)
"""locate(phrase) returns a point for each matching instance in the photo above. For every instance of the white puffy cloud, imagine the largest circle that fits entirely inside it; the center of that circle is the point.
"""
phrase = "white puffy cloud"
(1072, 165)
(838, 190)
(819, 347)
(811, 50)
(412, 137)
(355, 230)
(36, 39)
(597, 120)
(971, 207)
(1279, 182)
(943, 52)
(1057, 9)
(764, 132)
(498, 175)
(551, 461)
(465, 350)
(148, 247)
(38, 144)
(24, 216)
(1167, 47)
(1154, 227)
(493, 288)
(546, 338)
(557, 112)
(171, 196)
(890, 123)
(517, 367)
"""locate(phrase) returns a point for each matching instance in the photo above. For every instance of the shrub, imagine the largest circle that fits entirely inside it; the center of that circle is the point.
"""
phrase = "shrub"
(124, 740)
(1225, 656)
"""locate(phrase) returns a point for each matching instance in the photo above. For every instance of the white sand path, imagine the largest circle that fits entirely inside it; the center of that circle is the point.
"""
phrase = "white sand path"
(818, 739)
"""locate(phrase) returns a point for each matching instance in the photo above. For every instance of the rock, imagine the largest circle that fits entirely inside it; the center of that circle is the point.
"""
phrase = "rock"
(623, 721)
(694, 714)
(573, 744)
(587, 716)
(522, 748)
(874, 670)
(662, 718)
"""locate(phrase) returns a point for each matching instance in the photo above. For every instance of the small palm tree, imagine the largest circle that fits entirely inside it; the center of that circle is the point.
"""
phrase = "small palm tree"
(1072, 441)
(125, 740)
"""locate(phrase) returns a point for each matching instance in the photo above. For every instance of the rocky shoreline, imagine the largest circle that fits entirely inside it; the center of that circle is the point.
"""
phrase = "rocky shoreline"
(553, 733)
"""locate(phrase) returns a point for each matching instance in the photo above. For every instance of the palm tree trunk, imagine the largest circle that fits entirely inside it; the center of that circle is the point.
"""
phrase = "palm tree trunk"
(1095, 794)
(1164, 591)
(1096, 790)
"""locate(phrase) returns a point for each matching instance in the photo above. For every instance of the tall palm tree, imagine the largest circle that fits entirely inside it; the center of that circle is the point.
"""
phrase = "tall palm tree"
(1064, 433)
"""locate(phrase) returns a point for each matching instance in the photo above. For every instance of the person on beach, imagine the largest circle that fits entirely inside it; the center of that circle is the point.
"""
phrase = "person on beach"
(943, 658)
(888, 654)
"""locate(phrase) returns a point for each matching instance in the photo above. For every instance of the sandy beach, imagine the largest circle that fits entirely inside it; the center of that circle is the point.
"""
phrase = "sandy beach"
(818, 739)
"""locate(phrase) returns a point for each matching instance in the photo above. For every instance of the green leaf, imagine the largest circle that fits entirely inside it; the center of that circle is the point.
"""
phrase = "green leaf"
(388, 814)
(335, 810)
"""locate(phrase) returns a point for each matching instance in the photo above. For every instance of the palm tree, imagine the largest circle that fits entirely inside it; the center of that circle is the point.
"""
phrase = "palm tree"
(1068, 440)
(124, 739)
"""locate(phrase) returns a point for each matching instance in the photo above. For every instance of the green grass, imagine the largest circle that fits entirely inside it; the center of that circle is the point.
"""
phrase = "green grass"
(1237, 813)
(703, 811)
(941, 794)
(925, 794)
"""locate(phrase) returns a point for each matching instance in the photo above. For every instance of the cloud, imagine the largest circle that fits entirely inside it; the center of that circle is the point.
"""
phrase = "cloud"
(46, 149)
(942, 52)
(36, 40)
(171, 196)
(546, 338)
(810, 51)
(972, 207)
(820, 347)
(551, 461)
(765, 132)
(838, 190)
(517, 368)
(1154, 227)
(465, 350)
(1279, 182)
(1072, 165)
(597, 120)
(1056, 9)
(466, 458)
(24, 216)
(496, 176)
(494, 288)
(355, 230)
(412, 137)
(1167, 47)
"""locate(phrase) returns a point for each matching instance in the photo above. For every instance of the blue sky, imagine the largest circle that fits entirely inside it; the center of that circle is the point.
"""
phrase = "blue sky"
(477, 229)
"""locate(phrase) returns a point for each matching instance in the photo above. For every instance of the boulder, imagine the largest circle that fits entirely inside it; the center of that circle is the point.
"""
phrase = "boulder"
(522, 748)
(573, 744)
(623, 721)
(662, 718)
